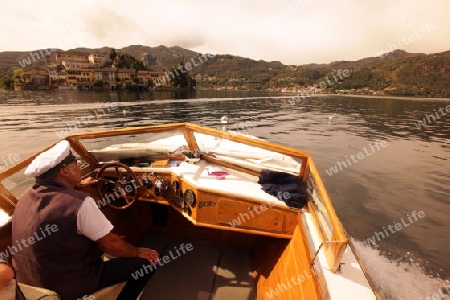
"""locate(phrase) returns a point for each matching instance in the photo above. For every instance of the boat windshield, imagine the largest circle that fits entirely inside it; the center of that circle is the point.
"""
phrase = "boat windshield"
(243, 155)
(173, 143)
(120, 147)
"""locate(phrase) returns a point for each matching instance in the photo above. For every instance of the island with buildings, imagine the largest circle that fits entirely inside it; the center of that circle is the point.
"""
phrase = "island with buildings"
(82, 71)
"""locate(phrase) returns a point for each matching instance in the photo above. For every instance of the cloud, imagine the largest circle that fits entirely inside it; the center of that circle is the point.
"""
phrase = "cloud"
(108, 28)
(292, 31)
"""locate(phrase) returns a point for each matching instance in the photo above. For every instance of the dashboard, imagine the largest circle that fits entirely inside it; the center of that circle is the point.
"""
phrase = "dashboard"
(209, 201)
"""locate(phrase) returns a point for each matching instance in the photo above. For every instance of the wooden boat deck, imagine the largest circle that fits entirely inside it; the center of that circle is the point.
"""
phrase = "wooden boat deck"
(207, 272)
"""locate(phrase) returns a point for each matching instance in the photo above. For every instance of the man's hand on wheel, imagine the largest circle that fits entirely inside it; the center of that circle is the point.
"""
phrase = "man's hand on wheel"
(86, 182)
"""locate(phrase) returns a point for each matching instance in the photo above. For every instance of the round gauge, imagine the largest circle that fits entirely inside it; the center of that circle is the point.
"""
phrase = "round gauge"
(189, 198)
(177, 188)
(187, 210)
(160, 187)
(176, 185)
(180, 202)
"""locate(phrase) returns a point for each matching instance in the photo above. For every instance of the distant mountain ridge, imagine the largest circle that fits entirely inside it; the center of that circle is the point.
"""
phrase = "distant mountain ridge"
(397, 72)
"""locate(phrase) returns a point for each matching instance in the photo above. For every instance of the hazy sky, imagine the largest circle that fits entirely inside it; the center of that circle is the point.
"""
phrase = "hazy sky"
(290, 31)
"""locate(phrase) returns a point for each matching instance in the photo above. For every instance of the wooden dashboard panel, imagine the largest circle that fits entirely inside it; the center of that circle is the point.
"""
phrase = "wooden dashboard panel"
(240, 214)
(245, 215)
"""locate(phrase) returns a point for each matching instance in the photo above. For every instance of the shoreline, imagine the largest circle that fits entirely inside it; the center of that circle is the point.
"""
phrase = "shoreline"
(387, 96)
(365, 96)
(280, 94)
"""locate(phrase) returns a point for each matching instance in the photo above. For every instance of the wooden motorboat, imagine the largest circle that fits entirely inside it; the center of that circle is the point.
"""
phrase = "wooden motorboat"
(194, 194)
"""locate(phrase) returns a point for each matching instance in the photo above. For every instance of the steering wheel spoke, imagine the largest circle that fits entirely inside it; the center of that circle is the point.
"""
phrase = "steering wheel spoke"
(120, 189)
(103, 181)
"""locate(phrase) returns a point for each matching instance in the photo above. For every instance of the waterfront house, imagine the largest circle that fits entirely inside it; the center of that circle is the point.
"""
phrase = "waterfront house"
(126, 75)
(98, 60)
(56, 74)
(80, 77)
(34, 78)
(73, 64)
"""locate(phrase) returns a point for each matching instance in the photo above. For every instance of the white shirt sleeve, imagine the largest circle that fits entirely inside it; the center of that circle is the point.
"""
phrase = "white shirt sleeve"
(91, 222)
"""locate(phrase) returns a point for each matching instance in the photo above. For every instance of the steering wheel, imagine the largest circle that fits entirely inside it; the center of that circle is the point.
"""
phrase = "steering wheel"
(123, 188)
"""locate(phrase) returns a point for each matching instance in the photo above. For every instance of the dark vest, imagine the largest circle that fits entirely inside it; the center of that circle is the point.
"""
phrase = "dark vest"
(54, 255)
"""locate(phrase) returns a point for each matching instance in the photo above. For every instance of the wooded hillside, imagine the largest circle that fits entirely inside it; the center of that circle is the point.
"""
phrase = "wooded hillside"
(397, 73)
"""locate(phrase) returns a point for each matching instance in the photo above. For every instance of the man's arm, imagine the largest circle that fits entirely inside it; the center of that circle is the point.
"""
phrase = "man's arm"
(113, 244)
(93, 224)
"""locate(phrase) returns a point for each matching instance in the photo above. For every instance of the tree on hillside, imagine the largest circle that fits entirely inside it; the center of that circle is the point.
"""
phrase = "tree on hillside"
(112, 54)
(183, 79)
(7, 82)
(129, 62)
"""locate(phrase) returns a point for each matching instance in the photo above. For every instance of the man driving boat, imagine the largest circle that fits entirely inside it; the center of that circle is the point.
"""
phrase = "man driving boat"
(59, 235)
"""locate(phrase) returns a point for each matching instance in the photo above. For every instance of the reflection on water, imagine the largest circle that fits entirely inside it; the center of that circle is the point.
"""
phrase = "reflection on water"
(411, 173)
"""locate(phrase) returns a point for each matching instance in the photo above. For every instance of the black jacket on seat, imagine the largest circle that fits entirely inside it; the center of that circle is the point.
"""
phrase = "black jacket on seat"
(279, 183)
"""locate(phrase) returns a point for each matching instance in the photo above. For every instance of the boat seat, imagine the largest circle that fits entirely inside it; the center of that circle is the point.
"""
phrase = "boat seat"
(110, 292)
(107, 293)
(35, 293)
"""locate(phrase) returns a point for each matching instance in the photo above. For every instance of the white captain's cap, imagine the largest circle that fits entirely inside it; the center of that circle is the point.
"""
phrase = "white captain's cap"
(50, 161)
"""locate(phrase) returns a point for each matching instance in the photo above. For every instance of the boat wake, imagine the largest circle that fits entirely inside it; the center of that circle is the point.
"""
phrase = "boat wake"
(399, 280)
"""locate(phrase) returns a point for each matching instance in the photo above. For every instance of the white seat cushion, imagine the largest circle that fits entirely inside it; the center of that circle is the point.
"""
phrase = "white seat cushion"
(108, 293)
(33, 292)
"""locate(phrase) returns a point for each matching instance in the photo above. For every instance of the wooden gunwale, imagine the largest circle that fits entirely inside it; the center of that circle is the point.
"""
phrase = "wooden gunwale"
(335, 247)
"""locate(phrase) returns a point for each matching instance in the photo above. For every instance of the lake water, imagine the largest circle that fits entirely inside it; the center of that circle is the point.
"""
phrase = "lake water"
(390, 185)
